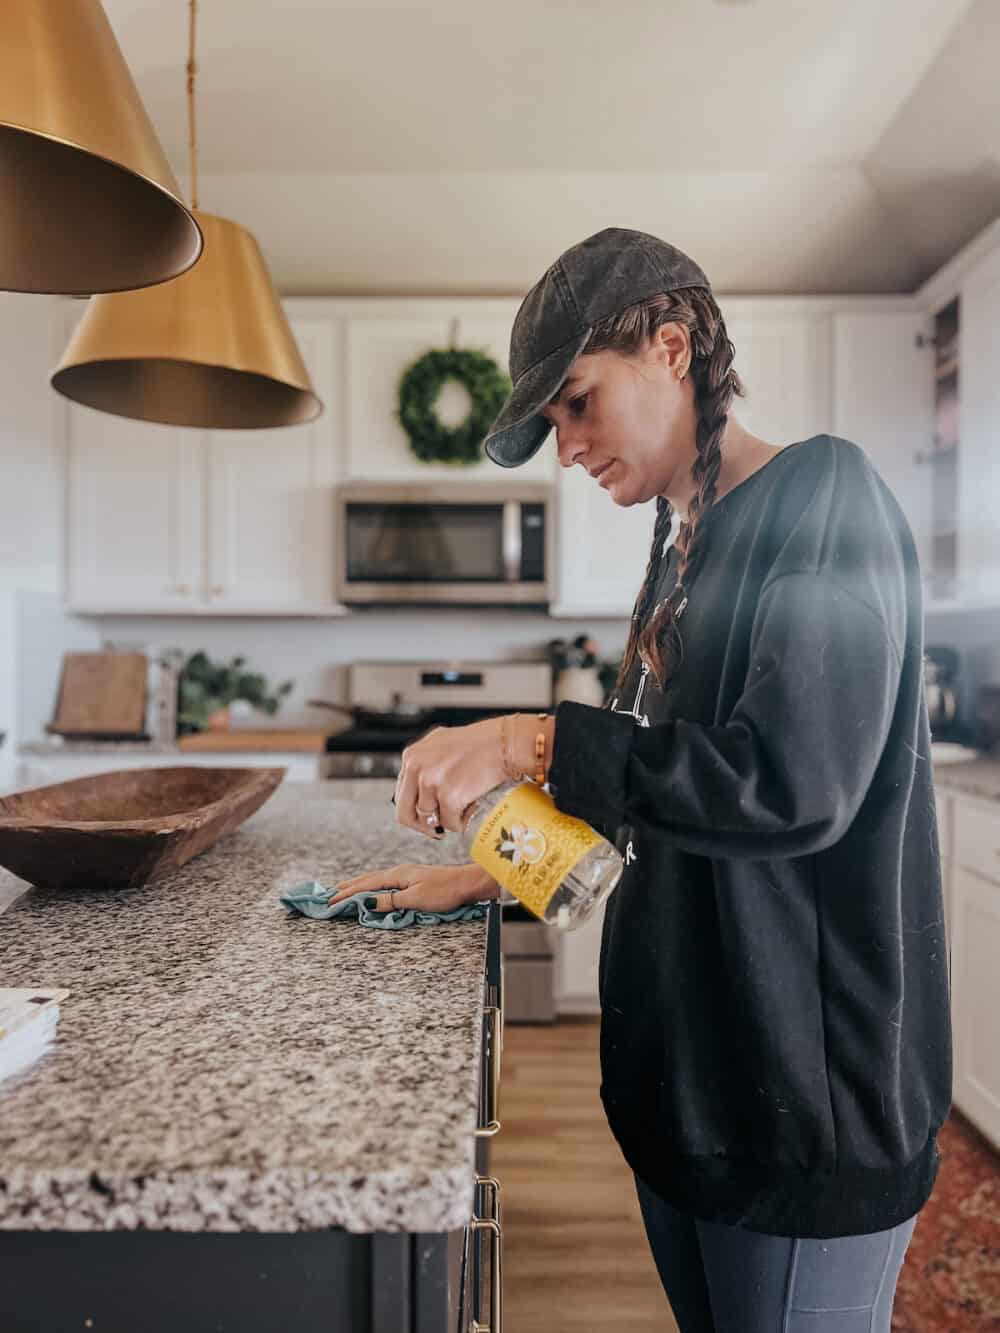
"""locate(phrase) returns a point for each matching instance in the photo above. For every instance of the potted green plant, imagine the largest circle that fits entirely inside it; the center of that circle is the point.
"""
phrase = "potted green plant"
(206, 689)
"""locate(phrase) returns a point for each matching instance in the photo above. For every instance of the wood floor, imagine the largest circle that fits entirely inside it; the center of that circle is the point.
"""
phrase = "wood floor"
(575, 1253)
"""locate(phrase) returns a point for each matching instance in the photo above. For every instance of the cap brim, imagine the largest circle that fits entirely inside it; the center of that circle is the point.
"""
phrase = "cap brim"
(519, 432)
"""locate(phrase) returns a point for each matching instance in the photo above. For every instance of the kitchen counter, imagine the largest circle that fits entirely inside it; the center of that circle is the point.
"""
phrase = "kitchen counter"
(223, 1066)
(971, 777)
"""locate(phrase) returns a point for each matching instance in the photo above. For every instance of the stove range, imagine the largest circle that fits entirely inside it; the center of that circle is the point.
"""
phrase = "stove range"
(449, 694)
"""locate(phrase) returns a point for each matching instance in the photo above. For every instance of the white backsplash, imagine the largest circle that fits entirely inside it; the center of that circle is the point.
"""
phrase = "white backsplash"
(312, 653)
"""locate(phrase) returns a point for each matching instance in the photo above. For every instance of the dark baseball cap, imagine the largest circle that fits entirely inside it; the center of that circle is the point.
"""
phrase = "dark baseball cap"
(598, 277)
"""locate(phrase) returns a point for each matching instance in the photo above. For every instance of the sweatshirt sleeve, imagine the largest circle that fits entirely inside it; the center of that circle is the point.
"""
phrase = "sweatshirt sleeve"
(786, 773)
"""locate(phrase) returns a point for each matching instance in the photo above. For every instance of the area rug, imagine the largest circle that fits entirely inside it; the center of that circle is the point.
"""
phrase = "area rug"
(950, 1280)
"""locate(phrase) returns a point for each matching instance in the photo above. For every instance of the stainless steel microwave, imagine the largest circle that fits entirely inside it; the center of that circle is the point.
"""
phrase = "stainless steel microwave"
(455, 543)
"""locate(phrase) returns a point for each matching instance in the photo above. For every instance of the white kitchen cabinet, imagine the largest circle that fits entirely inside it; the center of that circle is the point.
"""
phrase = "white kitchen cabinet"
(269, 502)
(382, 342)
(976, 998)
(944, 806)
(135, 533)
(883, 400)
(974, 881)
(578, 954)
(164, 519)
(602, 548)
(979, 434)
(783, 357)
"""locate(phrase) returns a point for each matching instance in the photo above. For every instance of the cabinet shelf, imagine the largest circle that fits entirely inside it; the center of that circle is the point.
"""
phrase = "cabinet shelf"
(320, 612)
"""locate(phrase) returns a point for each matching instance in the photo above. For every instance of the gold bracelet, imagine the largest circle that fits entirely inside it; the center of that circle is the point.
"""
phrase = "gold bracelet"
(508, 763)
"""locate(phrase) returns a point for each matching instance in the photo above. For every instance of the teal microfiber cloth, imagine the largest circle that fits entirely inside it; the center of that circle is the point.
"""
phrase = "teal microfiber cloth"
(311, 899)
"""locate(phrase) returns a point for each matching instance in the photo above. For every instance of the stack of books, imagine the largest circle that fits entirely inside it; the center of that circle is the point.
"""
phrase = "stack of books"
(28, 1018)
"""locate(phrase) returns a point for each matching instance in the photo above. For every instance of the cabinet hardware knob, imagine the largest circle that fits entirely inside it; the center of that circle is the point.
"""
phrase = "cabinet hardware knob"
(217, 589)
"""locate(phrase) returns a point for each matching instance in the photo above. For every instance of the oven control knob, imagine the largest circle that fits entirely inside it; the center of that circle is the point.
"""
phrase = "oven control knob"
(364, 764)
(395, 764)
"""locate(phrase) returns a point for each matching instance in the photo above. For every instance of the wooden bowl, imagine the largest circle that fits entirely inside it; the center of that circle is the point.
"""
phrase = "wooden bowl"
(122, 829)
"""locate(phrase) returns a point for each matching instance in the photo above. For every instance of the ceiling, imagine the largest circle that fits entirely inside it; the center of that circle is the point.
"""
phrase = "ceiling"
(790, 146)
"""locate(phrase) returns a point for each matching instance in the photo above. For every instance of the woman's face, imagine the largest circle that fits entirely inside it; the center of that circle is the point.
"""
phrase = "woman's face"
(629, 420)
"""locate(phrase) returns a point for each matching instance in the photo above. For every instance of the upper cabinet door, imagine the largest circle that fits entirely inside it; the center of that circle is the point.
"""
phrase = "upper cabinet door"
(979, 434)
(783, 359)
(380, 349)
(134, 497)
(883, 400)
(270, 502)
(603, 549)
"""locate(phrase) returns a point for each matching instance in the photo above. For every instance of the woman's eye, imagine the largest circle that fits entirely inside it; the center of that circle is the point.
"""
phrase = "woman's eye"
(576, 405)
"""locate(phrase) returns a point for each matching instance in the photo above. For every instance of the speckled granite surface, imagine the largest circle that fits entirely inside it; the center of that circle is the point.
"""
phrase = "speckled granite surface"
(222, 1066)
(974, 777)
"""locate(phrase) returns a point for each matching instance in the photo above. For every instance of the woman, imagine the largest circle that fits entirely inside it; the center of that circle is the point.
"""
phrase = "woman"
(775, 1042)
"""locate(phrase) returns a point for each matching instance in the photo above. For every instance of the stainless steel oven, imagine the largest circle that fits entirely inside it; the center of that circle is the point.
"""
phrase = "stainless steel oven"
(453, 543)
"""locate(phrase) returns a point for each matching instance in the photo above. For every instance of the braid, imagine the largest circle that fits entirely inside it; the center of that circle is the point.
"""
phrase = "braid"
(715, 384)
(640, 612)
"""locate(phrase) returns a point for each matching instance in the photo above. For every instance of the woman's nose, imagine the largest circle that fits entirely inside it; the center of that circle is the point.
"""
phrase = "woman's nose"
(569, 446)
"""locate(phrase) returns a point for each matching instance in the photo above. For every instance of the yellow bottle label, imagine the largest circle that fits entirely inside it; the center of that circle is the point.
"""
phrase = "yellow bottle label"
(529, 846)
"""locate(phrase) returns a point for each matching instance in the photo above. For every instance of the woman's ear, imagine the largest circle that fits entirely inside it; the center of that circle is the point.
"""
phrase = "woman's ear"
(672, 348)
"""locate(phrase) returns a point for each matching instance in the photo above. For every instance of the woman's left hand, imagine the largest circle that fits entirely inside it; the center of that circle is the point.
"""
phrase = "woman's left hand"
(445, 771)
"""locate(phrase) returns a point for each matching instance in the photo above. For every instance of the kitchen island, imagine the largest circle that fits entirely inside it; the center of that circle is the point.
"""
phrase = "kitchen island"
(274, 1117)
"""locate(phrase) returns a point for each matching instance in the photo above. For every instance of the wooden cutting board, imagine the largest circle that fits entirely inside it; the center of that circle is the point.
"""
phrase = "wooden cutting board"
(101, 694)
(306, 740)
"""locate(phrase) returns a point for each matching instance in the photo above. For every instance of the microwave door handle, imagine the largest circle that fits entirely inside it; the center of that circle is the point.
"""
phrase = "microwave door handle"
(511, 539)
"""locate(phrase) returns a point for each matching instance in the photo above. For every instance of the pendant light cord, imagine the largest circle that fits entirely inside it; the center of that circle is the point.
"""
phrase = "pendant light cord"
(192, 136)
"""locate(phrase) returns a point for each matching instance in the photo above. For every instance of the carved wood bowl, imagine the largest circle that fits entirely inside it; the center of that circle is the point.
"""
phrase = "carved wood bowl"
(122, 829)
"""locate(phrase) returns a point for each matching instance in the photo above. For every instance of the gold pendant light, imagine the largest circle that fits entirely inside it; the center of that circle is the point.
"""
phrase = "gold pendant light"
(88, 202)
(210, 349)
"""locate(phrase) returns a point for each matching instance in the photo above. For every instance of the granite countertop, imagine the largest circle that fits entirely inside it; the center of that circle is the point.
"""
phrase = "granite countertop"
(222, 1066)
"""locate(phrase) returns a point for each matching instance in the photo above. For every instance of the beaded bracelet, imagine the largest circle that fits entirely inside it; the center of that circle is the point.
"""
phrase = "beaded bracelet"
(540, 754)
(508, 762)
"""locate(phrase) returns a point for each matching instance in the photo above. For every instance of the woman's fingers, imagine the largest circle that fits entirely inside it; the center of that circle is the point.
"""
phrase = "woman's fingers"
(421, 887)
(396, 877)
(416, 800)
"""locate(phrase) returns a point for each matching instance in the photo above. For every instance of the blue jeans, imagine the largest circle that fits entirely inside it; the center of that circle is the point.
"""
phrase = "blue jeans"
(725, 1279)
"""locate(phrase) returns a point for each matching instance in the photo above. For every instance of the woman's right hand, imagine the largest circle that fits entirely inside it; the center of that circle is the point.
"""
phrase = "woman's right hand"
(422, 888)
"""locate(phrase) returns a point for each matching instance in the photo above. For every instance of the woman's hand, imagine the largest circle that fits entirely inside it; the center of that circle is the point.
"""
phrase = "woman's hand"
(445, 771)
(423, 888)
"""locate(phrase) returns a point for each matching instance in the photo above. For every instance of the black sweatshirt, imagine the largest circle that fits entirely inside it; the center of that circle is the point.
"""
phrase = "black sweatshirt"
(775, 1032)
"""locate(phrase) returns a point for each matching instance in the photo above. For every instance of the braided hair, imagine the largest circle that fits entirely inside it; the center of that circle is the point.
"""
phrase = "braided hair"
(655, 638)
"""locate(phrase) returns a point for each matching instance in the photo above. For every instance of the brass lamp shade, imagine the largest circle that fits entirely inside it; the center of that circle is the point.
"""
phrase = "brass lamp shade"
(88, 202)
(211, 349)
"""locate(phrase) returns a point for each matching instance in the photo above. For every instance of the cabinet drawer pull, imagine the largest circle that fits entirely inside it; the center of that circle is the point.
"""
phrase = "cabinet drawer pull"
(492, 1224)
(493, 1064)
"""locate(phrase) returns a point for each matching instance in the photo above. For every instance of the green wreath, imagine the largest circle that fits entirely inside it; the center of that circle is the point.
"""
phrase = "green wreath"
(430, 439)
